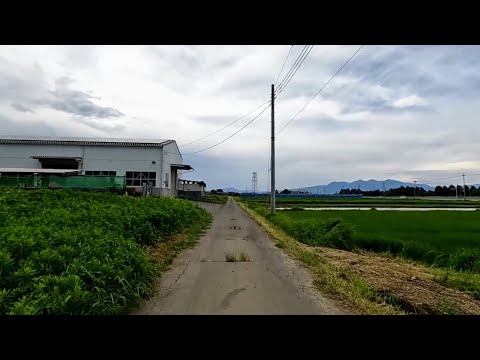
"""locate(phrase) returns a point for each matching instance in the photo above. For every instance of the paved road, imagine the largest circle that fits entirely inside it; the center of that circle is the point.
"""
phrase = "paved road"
(202, 282)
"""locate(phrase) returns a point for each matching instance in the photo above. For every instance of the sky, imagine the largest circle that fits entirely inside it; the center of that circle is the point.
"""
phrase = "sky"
(394, 112)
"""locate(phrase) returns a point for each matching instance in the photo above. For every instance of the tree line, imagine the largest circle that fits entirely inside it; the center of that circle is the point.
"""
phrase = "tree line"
(418, 191)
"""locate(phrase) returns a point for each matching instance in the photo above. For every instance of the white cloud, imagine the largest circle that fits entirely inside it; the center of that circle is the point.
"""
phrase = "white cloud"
(411, 100)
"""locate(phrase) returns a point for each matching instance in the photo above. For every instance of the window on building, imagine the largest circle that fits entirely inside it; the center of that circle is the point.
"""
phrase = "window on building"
(137, 178)
(166, 179)
(101, 173)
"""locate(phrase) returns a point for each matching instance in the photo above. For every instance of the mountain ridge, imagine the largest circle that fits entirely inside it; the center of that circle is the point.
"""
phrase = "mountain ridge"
(366, 185)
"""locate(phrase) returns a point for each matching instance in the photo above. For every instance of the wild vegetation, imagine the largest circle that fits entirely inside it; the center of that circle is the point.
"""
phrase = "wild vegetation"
(215, 199)
(70, 252)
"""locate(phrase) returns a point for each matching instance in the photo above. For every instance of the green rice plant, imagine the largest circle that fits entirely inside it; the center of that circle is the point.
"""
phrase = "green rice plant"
(446, 239)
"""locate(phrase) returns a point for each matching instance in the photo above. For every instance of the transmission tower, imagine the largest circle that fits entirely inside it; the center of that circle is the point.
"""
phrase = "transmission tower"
(254, 182)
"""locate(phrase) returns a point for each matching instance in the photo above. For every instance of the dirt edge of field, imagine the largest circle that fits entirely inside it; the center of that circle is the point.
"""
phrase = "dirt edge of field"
(368, 283)
(163, 253)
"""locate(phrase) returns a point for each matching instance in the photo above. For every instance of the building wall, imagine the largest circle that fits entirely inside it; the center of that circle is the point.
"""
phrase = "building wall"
(18, 155)
(169, 175)
(190, 187)
(106, 158)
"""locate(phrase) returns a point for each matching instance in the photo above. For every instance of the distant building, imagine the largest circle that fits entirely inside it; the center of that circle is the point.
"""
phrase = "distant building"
(299, 192)
(140, 161)
(191, 189)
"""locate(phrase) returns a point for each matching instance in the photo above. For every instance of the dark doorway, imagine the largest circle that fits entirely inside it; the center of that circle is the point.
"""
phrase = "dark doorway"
(71, 164)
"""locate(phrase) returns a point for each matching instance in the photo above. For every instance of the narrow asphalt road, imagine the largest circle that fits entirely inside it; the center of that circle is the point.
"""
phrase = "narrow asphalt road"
(202, 282)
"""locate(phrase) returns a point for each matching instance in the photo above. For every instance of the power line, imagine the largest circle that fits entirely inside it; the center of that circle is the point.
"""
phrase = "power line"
(300, 59)
(233, 122)
(323, 87)
(236, 132)
(292, 68)
(282, 87)
(289, 51)
(448, 178)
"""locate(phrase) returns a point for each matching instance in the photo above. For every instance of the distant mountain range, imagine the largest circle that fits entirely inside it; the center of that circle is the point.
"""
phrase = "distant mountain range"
(367, 185)
(335, 187)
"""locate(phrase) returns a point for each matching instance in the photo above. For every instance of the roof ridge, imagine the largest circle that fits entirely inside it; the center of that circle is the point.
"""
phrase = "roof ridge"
(83, 140)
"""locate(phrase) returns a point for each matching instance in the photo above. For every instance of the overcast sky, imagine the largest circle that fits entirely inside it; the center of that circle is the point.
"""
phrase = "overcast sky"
(397, 112)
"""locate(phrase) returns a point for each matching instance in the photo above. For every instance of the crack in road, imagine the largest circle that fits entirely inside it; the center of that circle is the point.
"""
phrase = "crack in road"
(225, 304)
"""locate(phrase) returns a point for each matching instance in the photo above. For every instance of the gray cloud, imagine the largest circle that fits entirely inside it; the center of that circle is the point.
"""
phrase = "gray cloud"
(75, 102)
(29, 89)
(21, 108)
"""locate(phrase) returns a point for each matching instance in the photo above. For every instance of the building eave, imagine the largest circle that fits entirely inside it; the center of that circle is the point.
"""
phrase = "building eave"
(86, 141)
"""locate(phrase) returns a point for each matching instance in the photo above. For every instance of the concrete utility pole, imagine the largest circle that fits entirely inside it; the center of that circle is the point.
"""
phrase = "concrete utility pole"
(464, 190)
(272, 160)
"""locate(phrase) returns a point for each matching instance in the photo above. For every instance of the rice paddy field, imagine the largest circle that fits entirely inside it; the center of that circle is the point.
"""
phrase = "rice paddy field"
(449, 239)
(301, 202)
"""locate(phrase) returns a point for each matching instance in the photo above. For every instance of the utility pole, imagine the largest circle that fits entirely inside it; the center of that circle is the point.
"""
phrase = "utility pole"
(414, 188)
(464, 190)
(456, 192)
(272, 160)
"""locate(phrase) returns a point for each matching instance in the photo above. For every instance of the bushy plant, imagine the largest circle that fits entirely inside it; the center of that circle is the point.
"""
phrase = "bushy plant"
(70, 252)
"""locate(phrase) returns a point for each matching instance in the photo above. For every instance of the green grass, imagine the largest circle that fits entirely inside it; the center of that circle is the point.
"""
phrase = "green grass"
(68, 252)
(291, 202)
(215, 199)
(230, 257)
(441, 238)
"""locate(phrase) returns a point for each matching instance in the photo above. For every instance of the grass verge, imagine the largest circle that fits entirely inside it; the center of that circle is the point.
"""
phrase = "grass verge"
(351, 290)
(165, 252)
(215, 199)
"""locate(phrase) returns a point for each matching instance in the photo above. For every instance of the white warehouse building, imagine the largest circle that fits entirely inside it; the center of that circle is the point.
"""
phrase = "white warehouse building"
(156, 162)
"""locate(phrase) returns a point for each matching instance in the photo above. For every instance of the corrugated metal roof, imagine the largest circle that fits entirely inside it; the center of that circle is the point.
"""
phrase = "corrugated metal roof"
(56, 157)
(4, 139)
(39, 171)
